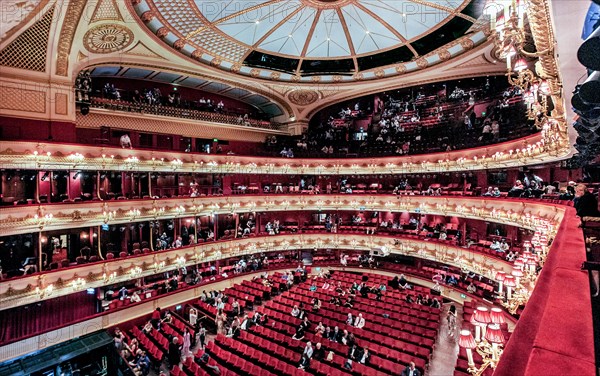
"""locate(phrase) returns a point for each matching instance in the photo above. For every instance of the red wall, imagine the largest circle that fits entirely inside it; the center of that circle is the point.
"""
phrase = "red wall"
(29, 129)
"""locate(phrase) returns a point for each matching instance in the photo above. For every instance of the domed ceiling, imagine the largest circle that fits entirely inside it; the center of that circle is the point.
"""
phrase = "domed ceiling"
(299, 40)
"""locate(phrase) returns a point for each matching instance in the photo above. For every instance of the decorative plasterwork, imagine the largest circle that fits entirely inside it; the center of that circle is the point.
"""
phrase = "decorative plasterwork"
(28, 219)
(20, 99)
(28, 51)
(23, 290)
(67, 33)
(107, 38)
(140, 49)
(106, 10)
(17, 13)
(182, 127)
(303, 97)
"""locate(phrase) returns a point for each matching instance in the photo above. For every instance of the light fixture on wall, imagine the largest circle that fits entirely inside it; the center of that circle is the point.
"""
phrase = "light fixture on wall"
(510, 35)
(488, 341)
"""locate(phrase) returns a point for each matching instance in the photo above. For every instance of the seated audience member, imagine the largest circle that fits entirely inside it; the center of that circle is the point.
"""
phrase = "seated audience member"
(306, 356)
(320, 330)
(411, 370)
(471, 288)
(316, 304)
(299, 335)
(585, 202)
(350, 319)
(135, 298)
(318, 352)
(365, 357)
(489, 192)
(360, 321)
(295, 311)
(517, 189)
(403, 283)
(354, 352)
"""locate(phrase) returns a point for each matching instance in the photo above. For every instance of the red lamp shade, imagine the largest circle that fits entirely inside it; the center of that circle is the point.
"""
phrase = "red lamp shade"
(520, 65)
(497, 316)
(545, 88)
(518, 263)
(516, 273)
(500, 276)
(493, 334)
(466, 340)
(509, 281)
(481, 316)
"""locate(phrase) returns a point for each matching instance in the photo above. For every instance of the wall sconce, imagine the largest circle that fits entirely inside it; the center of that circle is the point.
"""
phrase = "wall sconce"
(78, 284)
(180, 261)
(135, 272)
(109, 278)
(45, 292)
(109, 216)
(42, 220)
(134, 213)
(176, 163)
(158, 265)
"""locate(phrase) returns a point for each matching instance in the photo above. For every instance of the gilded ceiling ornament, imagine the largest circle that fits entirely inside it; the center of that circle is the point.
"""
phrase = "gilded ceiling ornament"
(216, 62)
(296, 78)
(422, 63)
(466, 43)
(401, 68)
(107, 38)
(197, 55)
(147, 16)
(303, 97)
(235, 67)
(255, 72)
(357, 76)
(275, 75)
(315, 78)
(179, 44)
(337, 78)
(379, 73)
(162, 32)
(444, 55)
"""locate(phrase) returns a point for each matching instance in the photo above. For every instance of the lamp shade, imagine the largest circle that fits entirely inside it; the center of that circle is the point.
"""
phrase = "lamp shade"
(466, 340)
(500, 276)
(545, 88)
(518, 263)
(493, 334)
(520, 65)
(481, 316)
(497, 316)
(517, 273)
(509, 281)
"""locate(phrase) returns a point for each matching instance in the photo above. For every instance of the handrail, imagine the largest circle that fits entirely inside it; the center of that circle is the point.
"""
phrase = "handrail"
(121, 105)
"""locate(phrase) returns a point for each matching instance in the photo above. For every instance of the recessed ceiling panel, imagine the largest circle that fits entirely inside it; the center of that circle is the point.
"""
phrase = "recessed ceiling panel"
(166, 77)
(137, 73)
(262, 34)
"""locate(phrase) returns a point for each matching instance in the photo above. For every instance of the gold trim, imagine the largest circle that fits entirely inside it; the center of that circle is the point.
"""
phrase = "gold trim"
(67, 33)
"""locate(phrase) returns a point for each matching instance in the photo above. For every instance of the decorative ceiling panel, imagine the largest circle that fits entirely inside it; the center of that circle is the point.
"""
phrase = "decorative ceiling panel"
(286, 39)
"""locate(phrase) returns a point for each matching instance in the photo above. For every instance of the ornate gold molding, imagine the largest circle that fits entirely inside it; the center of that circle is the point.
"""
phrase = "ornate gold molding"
(26, 290)
(28, 219)
(521, 152)
(67, 33)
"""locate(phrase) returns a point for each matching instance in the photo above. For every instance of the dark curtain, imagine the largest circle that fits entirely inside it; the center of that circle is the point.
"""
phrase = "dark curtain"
(33, 319)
